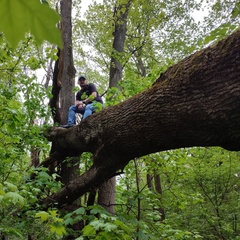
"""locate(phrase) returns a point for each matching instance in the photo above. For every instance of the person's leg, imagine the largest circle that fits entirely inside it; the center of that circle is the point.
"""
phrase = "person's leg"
(88, 110)
(72, 114)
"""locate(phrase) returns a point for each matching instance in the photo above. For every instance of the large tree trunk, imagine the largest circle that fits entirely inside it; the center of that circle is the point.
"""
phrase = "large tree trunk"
(107, 195)
(66, 76)
(194, 103)
(120, 30)
(66, 67)
(107, 191)
(63, 84)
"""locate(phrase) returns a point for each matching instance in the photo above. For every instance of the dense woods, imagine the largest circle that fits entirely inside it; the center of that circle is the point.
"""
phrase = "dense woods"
(161, 160)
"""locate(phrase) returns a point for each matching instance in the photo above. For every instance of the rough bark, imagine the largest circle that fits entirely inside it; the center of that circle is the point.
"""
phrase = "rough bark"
(67, 78)
(107, 195)
(194, 103)
(120, 30)
(56, 87)
(107, 192)
(66, 67)
(35, 160)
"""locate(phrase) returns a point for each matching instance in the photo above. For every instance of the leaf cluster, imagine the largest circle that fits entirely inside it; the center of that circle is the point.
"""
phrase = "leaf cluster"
(17, 19)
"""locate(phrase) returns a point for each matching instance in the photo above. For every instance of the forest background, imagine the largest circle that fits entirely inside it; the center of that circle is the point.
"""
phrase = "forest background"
(190, 193)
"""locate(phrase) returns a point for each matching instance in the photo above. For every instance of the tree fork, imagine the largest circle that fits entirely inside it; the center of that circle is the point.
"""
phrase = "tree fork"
(194, 103)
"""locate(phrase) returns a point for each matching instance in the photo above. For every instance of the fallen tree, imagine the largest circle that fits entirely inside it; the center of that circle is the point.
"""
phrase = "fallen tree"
(194, 103)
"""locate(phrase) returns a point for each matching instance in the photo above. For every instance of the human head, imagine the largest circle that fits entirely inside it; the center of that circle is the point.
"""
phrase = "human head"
(82, 81)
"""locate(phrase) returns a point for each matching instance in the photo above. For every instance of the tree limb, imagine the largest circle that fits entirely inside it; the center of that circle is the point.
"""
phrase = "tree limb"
(194, 103)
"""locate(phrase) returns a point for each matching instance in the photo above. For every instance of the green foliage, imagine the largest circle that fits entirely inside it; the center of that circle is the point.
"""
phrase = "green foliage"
(21, 17)
(23, 109)
(114, 96)
(21, 215)
(219, 33)
(199, 191)
(236, 10)
(100, 224)
(97, 106)
(199, 186)
(52, 221)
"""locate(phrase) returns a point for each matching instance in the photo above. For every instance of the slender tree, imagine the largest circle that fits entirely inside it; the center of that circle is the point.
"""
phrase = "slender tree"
(106, 195)
(121, 10)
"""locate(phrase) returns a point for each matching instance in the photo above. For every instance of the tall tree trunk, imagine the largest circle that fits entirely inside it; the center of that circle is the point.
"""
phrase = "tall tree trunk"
(66, 77)
(137, 53)
(56, 87)
(66, 67)
(107, 194)
(35, 160)
(107, 191)
(149, 181)
(138, 192)
(63, 84)
(194, 103)
(158, 187)
(65, 97)
(119, 35)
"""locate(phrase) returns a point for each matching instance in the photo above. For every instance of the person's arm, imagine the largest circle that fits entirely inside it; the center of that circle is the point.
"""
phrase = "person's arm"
(90, 98)
(93, 94)
(78, 102)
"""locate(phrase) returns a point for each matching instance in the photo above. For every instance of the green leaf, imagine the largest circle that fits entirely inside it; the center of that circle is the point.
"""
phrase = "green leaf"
(43, 215)
(69, 221)
(19, 17)
(53, 213)
(14, 198)
(89, 231)
(123, 226)
(97, 209)
(80, 211)
(10, 187)
(98, 224)
(109, 227)
(236, 10)
(97, 106)
(12, 231)
(59, 230)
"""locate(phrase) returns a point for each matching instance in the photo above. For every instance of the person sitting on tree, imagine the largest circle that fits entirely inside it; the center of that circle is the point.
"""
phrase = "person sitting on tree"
(87, 101)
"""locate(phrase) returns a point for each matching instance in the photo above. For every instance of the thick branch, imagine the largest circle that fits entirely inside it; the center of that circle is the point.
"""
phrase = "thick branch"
(90, 180)
(194, 103)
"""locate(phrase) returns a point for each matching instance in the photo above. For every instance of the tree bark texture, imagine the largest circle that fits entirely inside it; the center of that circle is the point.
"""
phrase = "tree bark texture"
(120, 30)
(66, 67)
(194, 103)
(66, 76)
(107, 192)
(56, 87)
(107, 195)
